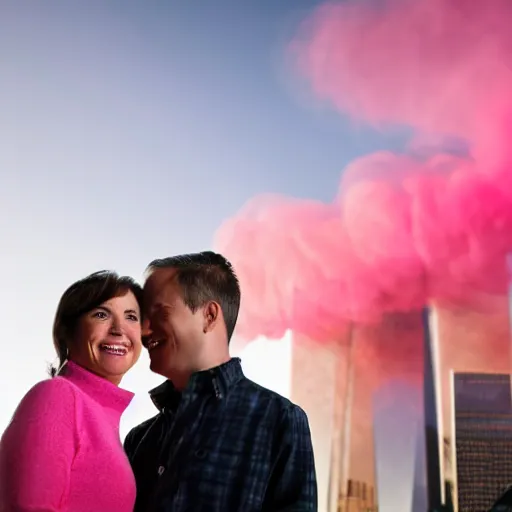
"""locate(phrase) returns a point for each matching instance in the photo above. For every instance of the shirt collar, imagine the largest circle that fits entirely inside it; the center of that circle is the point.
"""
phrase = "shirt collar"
(216, 381)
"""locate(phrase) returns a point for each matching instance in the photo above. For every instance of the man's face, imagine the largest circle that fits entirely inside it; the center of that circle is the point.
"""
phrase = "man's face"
(172, 333)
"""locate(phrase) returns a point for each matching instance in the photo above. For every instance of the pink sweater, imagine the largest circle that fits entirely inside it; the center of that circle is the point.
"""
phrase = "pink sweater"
(62, 450)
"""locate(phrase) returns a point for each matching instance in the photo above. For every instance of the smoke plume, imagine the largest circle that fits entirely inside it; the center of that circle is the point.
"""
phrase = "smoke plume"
(402, 229)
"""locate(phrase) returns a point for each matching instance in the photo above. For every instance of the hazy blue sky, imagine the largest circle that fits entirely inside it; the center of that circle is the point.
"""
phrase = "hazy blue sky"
(129, 130)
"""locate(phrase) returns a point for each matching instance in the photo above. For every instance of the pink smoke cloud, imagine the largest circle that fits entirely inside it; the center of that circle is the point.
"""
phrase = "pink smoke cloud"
(403, 229)
(439, 65)
(286, 254)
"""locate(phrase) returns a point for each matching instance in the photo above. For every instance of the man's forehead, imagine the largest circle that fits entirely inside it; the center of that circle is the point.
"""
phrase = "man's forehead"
(159, 280)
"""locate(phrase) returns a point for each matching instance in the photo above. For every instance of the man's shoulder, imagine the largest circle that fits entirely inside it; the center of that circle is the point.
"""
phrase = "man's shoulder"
(270, 410)
(262, 395)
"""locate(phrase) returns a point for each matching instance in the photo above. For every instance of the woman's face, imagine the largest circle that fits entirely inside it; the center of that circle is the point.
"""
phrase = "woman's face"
(107, 340)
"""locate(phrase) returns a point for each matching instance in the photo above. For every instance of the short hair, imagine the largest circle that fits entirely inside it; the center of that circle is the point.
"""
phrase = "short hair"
(81, 298)
(202, 277)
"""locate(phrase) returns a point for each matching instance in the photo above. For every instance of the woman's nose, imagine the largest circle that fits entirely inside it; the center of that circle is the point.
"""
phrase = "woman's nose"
(116, 328)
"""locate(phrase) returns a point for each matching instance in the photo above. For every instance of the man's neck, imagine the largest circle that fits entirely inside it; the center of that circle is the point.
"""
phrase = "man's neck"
(180, 381)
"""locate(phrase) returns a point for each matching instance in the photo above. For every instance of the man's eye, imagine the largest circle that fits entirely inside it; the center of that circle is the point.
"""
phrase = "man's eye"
(155, 315)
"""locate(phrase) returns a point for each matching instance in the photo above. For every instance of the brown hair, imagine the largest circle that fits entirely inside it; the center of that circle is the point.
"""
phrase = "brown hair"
(82, 297)
(205, 276)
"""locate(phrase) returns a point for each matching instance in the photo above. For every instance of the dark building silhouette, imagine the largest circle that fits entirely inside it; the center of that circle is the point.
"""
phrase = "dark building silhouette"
(431, 420)
(483, 438)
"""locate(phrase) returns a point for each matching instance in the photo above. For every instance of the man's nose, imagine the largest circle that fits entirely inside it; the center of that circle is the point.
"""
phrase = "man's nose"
(146, 328)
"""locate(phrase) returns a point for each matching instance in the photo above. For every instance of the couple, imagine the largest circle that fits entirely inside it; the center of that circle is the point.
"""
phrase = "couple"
(219, 442)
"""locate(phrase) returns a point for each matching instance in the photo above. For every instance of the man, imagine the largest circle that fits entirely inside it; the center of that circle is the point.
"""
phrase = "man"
(220, 442)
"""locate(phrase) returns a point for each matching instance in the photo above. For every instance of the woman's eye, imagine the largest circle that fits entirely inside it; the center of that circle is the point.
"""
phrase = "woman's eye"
(100, 314)
(133, 318)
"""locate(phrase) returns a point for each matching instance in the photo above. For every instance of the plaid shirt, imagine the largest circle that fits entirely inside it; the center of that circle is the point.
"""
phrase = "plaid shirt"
(223, 445)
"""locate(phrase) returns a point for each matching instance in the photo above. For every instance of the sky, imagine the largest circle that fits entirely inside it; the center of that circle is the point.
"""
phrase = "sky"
(130, 130)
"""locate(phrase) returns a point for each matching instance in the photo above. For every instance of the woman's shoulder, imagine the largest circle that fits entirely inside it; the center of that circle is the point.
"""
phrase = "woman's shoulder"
(54, 394)
(46, 415)
(51, 386)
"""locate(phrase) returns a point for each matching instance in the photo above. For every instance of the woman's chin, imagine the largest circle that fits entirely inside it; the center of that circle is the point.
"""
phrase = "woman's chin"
(115, 366)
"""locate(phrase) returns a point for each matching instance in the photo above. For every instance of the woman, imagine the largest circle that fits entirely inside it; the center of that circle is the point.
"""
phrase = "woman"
(62, 450)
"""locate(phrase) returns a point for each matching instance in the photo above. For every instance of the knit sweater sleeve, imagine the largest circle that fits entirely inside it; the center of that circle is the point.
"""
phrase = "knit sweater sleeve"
(38, 448)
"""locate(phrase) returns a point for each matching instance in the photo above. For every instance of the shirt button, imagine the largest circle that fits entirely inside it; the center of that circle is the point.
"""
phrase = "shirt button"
(161, 469)
(200, 454)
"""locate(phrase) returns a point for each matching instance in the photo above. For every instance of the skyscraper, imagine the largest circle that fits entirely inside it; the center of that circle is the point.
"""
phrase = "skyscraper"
(400, 448)
(432, 413)
(483, 438)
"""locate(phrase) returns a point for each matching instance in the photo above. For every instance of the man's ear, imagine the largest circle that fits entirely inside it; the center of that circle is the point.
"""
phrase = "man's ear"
(211, 316)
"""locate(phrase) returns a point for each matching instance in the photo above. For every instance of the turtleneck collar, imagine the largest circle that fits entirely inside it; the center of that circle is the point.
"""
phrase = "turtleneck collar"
(99, 389)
